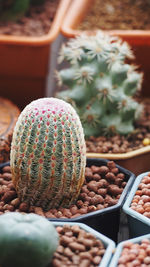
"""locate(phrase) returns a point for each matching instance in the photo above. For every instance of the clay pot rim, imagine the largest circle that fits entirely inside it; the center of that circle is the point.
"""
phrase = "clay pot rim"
(44, 39)
(120, 156)
(76, 13)
(74, 16)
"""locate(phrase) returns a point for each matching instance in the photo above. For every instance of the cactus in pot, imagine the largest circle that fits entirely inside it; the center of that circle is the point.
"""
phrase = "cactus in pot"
(101, 84)
(48, 154)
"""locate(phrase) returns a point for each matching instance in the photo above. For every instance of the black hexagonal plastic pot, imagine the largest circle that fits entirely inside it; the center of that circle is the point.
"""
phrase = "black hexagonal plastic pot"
(105, 221)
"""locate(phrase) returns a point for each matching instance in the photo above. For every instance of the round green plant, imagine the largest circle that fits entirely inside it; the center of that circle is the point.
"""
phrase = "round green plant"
(26, 240)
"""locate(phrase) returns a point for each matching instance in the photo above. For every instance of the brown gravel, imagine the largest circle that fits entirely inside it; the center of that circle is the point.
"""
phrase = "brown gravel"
(117, 14)
(102, 188)
(37, 21)
(122, 144)
(77, 248)
(141, 199)
(135, 254)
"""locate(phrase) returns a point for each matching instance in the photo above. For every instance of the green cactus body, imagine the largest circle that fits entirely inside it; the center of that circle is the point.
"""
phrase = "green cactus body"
(48, 154)
(26, 240)
(101, 85)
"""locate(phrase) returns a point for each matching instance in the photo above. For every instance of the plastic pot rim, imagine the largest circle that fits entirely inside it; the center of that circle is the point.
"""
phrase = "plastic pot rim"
(119, 248)
(114, 208)
(126, 207)
(108, 243)
(104, 211)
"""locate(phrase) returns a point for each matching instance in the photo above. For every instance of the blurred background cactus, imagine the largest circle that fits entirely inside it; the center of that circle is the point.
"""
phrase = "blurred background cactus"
(14, 9)
(101, 85)
(48, 154)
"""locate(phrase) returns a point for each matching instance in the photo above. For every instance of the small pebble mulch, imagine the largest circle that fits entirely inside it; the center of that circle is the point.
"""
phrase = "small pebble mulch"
(123, 144)
(77, 248)
(135, 254)
(36, 22)
(141, 199)
(102, 188)
(117, 14)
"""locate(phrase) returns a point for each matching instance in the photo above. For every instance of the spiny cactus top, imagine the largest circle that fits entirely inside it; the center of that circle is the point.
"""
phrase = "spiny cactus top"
(101, 84)
(48, 154)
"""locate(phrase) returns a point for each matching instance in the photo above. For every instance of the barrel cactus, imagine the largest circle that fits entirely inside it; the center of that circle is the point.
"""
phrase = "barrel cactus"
(48, 154)
(101, 85)
(26, 240)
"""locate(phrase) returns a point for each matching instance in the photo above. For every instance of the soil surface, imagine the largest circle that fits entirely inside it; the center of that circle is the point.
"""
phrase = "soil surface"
(141, 199)
(77, 248)
(102, 188)
(129, 257)
(36, 22)
(123, 144)
(117, 14)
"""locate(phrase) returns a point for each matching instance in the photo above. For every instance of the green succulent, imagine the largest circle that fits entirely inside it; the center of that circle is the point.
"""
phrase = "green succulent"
(26, 240)
(101, 84)
(48, 154)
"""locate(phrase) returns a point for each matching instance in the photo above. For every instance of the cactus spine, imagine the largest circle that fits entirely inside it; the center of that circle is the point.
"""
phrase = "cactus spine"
(101, 85)
(48, 154)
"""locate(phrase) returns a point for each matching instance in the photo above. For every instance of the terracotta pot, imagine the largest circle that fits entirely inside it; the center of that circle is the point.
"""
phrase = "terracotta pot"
(136, 161)
(25, 61)
(138, 39)
(100, 219)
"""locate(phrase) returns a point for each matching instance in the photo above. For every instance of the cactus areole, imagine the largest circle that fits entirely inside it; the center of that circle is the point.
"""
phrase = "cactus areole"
(48, 154)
